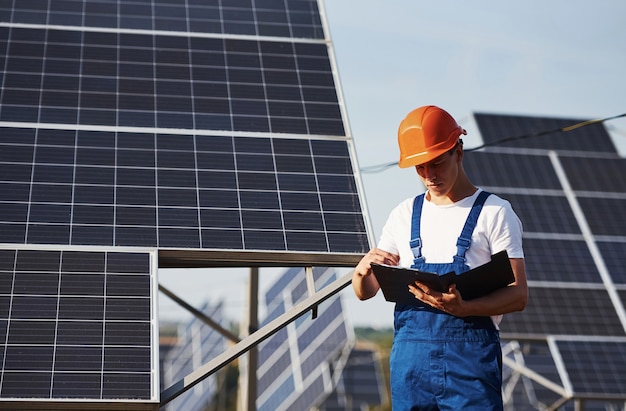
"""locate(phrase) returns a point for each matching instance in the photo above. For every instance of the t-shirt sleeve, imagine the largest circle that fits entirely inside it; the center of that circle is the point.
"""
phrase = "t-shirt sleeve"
(506, 234)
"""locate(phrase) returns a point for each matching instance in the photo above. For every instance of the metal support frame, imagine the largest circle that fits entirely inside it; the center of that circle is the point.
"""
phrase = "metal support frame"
(254, 339)
(310, 285)
(518, 367)
(253, 354)
(519, 371)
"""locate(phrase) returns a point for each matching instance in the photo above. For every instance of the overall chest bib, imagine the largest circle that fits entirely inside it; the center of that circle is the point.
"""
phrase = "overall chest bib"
(440, 361)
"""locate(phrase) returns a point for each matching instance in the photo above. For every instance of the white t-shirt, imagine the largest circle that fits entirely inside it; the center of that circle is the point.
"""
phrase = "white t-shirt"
(498, 228)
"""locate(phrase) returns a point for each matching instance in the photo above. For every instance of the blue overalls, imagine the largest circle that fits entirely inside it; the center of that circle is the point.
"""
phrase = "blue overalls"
(439, 361)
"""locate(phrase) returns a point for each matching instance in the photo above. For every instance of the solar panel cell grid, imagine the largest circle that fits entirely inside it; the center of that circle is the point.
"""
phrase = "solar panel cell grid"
(161, 81)
(605, 217)
(614, 255)
(602, 179)
(267, 18)
(567, 311)
(559, 260)
(595, 366)
(511, 170)
(94, 194)
(76, 324)
(544, 214)
(174, 191)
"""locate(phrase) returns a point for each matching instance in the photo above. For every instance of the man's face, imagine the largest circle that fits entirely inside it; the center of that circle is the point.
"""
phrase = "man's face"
(440, 174)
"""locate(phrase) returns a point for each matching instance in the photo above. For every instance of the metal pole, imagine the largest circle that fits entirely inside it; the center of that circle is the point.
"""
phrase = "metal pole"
(200, 315)
(253, 326)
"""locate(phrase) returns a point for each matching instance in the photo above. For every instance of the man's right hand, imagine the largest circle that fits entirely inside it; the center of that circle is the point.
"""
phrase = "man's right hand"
(365, 285)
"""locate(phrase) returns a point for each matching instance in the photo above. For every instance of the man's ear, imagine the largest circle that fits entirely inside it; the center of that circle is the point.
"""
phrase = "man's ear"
(459, 151)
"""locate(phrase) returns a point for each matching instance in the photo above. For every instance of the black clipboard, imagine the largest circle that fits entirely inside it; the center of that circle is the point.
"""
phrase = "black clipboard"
(394, 281)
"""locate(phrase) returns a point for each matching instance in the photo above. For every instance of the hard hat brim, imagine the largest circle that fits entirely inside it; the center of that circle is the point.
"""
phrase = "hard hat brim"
(434, 152)
(423, 157)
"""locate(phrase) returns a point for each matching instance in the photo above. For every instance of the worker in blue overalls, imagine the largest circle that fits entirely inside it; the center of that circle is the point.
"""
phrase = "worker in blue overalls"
(446, 351)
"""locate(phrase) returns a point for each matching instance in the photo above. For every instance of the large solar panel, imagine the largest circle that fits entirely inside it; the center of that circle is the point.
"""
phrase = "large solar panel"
(206, 133)
(181, 126)
(78, 326)
(567, 187)
(298, 366)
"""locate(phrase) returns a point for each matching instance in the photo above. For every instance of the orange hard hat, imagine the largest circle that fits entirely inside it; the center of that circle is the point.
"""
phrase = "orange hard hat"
(426, 133)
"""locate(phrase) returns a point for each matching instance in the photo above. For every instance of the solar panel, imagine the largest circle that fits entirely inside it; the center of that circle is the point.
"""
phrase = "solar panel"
(361, 384)
(267, 18)
(605, 217)
(614, 255)
(126, 124)
(206, 133)
(591, 139)
(602, 180)
(296, 364)
(560, 260)
(567, 189)
(510, 170)
(593, 366)
(567, 311)
(78, 325)
(543, 213)
(197, 344)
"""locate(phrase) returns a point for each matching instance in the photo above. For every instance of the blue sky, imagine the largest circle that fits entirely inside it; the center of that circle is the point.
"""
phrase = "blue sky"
(556, 58)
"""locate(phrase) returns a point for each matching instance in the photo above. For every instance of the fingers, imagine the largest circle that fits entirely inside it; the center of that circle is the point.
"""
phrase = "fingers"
(448, 302)
(379, 256)
(423, 292)
(376, 255)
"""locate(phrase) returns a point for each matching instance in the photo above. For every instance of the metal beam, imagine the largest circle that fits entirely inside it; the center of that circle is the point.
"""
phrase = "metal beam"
(310, 285)
(254, 339)
(200, 315)
(536, 377)
(253, 325)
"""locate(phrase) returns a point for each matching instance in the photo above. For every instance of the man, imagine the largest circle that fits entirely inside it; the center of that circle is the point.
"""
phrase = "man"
(446, 352)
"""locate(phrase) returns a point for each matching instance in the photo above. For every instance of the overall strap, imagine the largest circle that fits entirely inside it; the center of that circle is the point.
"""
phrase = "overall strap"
(416, 241)
(463, 243)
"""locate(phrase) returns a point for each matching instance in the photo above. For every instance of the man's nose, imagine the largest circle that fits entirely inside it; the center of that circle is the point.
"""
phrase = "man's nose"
(429, 172)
